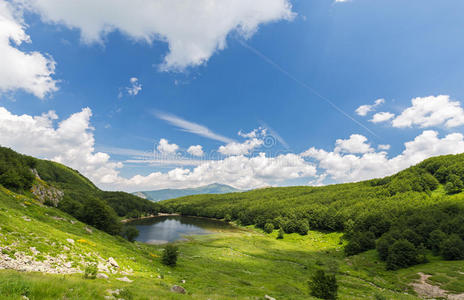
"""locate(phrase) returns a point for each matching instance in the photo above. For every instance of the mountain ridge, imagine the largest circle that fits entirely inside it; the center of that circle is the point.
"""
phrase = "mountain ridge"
(165, 194)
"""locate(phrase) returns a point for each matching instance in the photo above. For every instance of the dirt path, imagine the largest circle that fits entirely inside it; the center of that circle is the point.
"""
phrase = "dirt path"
(426, 290)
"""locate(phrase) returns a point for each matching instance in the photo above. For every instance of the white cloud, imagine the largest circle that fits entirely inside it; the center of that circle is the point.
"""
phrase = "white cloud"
(431, 111)
(381, 117)
(135, 87)
(244, 148)
(355, 144)
(363, 110)
(238, 171)
(349, 167)
(194, 30)
(383, 147)
(70, 143)
(28, 71)
(196, 150)
(191, 127)
(165, 148)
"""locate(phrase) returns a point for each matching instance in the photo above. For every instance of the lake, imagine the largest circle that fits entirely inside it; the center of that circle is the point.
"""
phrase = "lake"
(165, 229)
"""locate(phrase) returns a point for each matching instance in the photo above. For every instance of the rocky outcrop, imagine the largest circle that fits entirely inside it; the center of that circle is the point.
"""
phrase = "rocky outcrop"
(45, 193)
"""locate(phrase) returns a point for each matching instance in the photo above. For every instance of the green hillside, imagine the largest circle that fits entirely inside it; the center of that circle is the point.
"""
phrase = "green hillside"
(418, 209)
(56, 185)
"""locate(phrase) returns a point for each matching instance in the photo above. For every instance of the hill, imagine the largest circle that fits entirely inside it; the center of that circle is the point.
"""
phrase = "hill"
(165, 194)
(419, 208)
(56, 185)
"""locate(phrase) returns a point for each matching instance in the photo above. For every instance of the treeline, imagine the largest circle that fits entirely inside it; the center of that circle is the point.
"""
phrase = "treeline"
(15, 170)
(365, 210)
(81, 199)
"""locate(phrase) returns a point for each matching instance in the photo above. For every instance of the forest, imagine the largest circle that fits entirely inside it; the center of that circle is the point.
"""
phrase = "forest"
(404, 216)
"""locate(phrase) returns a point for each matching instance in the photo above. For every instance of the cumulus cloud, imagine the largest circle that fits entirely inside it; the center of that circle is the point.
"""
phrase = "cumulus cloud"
(70, 143)
(349, 167)
(196, 150)
(194, 30)
(381, 117)
(355, 144)
(20, 70)
(363, 110)
(383, 147)
(244, 148)
(431, 111)
(238, 171)
(165, 148)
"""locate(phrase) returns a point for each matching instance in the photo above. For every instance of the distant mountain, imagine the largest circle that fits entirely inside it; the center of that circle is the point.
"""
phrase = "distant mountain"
(165, 194)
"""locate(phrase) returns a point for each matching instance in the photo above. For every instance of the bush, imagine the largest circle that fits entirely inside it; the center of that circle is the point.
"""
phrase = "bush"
(302, 227)
(90, 271)
(269, 227)
(280, 235)
(323, 286)
(130, 233)
(401, 254)
(453, 248)
(170, 254)
(435, 241)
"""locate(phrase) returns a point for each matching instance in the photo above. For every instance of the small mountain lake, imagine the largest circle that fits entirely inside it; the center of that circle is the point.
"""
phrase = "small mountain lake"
(165, 229)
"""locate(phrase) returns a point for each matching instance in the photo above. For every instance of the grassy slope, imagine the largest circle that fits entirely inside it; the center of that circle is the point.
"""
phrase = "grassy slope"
(245, 264)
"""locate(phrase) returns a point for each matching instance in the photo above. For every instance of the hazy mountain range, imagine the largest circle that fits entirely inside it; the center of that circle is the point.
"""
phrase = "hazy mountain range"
(165, 194)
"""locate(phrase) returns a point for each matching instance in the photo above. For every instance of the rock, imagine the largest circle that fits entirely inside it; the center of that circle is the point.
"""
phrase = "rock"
(71, 241)
(65, 248)
(269, 297)
(124, 273)
(183, 281)
(112, 262)
(26, 219)
(88, 230)
(34, 251)
(125, 279)
(178, 289)
(102, 276)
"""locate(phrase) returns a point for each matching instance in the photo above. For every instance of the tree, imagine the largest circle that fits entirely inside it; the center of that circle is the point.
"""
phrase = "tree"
(323, 286)
(269, 227)
(170, 254)
(453, 248)
(302, 227)
(130, 233)
(401, 254)
(435, 241)
(280, 235)
(454, 184)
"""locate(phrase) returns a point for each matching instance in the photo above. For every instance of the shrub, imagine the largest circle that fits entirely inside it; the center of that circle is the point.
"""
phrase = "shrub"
(302, 227)
(280, 235)
(170, 254)
(90, 271)
(453, 248)
(401, 254)
(323, 286)
(269, 227)
(130, 233)
(435, 241)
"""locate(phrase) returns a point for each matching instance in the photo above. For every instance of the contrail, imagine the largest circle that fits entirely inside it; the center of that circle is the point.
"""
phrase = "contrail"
(301, 83)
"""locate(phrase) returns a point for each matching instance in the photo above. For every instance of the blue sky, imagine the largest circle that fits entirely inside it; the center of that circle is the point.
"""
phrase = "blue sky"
(276, 76)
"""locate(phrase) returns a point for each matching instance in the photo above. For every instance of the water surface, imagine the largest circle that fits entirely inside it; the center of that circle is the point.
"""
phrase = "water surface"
(160, 230)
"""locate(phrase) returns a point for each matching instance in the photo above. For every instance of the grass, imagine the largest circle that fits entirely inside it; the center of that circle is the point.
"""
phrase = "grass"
(237, 264)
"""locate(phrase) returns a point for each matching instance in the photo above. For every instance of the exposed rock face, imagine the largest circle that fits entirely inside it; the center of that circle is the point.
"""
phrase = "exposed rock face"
(22, 262)
(178, 289)
(45, 193)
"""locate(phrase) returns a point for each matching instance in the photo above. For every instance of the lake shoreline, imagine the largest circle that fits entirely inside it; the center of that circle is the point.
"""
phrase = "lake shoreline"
(149, 217)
